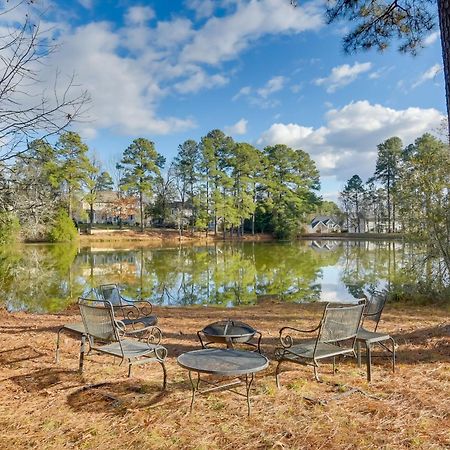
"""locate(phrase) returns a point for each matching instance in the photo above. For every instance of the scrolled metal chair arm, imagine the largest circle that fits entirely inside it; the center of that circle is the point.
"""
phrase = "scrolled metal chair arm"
(287, 340)
(121, 328)
(161, 353)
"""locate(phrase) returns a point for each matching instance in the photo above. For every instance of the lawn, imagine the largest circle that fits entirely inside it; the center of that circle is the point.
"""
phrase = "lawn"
(49, 406)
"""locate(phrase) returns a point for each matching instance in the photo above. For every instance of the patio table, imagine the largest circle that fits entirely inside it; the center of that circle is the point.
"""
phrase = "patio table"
(222, 363)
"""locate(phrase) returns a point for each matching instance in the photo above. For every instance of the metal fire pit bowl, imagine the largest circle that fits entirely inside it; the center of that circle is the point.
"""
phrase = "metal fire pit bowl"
(229, 332)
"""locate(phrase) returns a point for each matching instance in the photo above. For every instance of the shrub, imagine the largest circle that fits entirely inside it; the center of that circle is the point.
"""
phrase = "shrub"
(63, 229)
(9, 228)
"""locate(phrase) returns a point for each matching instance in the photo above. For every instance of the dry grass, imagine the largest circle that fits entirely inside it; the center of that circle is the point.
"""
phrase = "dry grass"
(50, 406)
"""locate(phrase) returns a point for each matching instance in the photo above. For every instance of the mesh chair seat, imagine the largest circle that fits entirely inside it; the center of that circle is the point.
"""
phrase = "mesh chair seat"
(371, 336)
(306, 350)
(147, 321)
(128, 348)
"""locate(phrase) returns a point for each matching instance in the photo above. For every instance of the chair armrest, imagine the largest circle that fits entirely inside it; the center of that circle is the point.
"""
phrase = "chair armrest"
(144, 307)
(151, 335)
(287, 340)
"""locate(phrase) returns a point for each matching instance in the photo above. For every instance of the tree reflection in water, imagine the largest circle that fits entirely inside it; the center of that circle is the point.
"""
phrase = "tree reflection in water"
(48, 278)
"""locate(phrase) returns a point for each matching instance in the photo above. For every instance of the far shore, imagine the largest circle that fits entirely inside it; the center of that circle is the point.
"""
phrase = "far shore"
(163, 236)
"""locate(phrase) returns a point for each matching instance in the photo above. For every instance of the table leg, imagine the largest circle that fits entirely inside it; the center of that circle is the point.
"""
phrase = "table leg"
(194, 387)
(248, 384)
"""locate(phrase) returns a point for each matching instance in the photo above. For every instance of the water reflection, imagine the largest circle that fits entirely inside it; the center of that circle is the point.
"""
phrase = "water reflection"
(48, 278)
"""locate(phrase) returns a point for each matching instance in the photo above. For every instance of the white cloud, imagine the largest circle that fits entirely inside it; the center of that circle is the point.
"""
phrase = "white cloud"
(342, 75)
(275, 84)
(88, 4)
(261, 97)
(200, 80)
(347, 143)
(137, 15)
(428, 75)
(246, 90)
(431, 38)
(124, 91)
(223, 38)
(202, 8)
(239, 128)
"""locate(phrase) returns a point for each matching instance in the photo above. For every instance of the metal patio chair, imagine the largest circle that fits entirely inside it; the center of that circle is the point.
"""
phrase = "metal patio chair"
(134, 313)
(110, 336)
(336, 335)
(372, 313)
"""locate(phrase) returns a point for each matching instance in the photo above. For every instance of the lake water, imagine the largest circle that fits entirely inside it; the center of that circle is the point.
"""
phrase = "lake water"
(41, 278)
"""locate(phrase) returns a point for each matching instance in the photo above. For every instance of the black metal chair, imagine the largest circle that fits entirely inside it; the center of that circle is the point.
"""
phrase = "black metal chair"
(134, 313)
(336, 336)
(109, 336)
(372, 313)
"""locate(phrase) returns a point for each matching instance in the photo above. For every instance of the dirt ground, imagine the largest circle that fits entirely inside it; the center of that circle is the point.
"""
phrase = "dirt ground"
(45, 405)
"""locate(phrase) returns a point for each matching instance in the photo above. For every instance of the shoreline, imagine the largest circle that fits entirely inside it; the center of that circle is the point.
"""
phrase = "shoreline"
(156, 236)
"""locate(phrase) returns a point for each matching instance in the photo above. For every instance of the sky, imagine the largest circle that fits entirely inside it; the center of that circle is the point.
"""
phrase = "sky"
(264, 72)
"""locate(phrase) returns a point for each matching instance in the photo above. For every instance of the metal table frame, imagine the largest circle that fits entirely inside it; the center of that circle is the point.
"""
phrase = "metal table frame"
(248, 374)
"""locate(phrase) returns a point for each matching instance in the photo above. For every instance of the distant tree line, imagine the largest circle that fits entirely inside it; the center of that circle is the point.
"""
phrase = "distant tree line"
(409, 192)
(216, 185)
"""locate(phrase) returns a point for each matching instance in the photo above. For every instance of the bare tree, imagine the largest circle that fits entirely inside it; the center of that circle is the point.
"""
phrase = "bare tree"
(27, 110)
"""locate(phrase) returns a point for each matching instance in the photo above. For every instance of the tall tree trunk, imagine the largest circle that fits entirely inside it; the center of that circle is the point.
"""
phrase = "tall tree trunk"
(444, 25)
(141, 208)
(91, 214)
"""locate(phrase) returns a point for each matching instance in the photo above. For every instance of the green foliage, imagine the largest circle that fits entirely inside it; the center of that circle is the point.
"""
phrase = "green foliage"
(70, 169)
(9, 228)
(379, 22)
(63, 229)
(291, 177)
(141, 165)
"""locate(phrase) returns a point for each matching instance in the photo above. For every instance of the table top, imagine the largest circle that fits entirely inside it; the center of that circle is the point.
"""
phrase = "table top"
(224, 362)
(229, 328)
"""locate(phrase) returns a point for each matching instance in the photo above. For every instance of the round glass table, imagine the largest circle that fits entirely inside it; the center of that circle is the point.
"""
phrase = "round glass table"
(223, 363)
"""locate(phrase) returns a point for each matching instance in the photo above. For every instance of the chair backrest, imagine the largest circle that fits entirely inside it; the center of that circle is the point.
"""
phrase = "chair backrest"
(110, 293)
(98, 319)
(340, 323)
(374, 308)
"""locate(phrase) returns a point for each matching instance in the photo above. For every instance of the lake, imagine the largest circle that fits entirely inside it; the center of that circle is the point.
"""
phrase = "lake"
(48, 278)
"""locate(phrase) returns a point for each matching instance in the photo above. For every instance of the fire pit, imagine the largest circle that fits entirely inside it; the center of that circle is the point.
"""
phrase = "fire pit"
(229, 332)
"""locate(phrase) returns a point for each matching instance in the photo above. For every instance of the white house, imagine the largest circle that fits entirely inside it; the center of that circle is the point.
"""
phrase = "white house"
(324, 224)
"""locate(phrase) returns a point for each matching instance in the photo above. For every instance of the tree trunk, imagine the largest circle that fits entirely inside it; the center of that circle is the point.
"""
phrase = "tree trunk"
(91, 214)
(141, 208)
(444, 25)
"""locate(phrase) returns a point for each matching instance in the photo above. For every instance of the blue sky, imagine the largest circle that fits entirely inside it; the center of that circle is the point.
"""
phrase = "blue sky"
(260, 70)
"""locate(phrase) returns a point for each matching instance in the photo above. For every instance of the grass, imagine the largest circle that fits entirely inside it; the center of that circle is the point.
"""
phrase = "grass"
(49, 406)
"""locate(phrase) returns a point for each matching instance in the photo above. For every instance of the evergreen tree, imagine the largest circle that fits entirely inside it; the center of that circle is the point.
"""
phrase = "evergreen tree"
(141, 165)
(386, 171)
(353, 195)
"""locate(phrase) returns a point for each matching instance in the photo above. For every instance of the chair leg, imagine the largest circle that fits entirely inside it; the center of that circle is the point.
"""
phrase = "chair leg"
(57, 345)
(334, 365)
(129, 370)
(358, 353)
(393, 354)
(369, 362)
(316, 374)
(277, 374)
(165, 375)
(82, 352)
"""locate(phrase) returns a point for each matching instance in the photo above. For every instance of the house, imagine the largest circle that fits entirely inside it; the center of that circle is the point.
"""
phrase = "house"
(324, 224)
(112, 207)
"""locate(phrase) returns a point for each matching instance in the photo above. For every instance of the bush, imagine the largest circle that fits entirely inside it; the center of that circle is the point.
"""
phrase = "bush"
(9, 228)
(63, 229)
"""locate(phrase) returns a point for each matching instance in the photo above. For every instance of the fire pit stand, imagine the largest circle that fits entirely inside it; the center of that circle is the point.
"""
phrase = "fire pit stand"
(229, 332)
